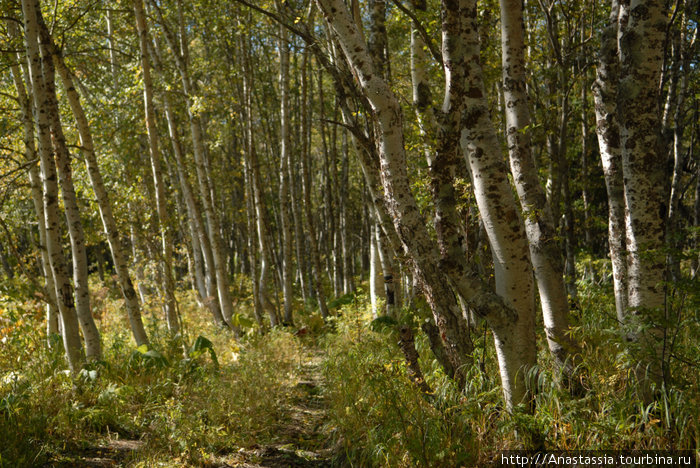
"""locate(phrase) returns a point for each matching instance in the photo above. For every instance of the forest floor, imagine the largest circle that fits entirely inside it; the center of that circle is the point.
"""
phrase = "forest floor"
(299, 441)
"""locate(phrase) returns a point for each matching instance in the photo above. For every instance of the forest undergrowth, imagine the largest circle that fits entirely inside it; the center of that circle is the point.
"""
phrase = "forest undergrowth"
(321, 394)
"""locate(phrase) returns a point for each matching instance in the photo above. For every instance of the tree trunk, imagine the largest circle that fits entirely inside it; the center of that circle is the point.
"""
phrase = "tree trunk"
(539, 225)
(64, 290)
(515, 343)
(285, 162)
(608, 132)
(119, 253)
(642, 29)
(306, 188)
(399, 200)
(93, 347)
(170, 305)
(36, 188)
(375, 270)
(201, 164)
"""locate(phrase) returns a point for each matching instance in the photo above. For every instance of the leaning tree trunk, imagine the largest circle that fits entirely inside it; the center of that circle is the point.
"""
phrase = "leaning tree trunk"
(35, 185)
(119, 254)
(93, 347)
(64, 291)
(170, 305)
(201, 164)
(515, 344)
(539, 225)
(196, 220)
(198, 228)
(401, 205)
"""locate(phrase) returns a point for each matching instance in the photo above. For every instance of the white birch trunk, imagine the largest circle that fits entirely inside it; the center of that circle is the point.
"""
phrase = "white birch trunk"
(641, 38)
(64, 291)
(515, 343)
(35, 185)
(93, 347)
(399, 200)
(539, 225)
(608, 133)
(375, 278)
(119, 254)
(170, 305)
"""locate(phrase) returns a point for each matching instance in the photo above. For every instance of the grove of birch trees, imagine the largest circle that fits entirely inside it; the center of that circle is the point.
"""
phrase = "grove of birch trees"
(476, 173)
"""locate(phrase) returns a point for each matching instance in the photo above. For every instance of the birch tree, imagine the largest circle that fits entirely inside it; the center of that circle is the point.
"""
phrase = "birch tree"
(170, 304)
(64, 290)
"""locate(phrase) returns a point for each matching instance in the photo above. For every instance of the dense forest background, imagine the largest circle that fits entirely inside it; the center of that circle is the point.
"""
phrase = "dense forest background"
(373, 232)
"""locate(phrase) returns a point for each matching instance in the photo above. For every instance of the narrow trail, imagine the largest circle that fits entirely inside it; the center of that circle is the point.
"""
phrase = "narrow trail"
(299, 442)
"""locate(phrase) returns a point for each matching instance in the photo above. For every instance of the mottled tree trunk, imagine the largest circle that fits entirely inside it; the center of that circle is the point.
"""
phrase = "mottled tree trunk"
(399, 200)
(35, 185)
(93, 347)
(608, 132)
(64, 290)
(642, 29)
(170, 305)
(515, 343)
(201, 156)
(119, 253)
(539, 225)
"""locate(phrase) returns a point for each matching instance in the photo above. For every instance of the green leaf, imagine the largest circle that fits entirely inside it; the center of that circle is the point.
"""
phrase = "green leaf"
(201, 345)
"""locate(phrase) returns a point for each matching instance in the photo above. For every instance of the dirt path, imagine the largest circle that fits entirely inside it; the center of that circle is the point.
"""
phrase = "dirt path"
(299, 443)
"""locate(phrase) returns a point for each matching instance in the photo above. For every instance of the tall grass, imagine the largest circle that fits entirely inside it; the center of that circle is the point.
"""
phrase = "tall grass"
(183, 407)
(379, 417)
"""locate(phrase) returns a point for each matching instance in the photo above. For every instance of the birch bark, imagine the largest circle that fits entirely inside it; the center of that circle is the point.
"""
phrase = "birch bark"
(539, 225)
(398, 198)
(119, 253)
(93, 347)
(640, 38)
(181, 55)
(608, 133)
(515, 343)
(35, 184)
(170, 305)
(64, 290)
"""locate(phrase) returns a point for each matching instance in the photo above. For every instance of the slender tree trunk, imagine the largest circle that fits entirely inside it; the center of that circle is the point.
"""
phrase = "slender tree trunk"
(119, 253)
(515, 344)
(210, 296)
(64, 290)
(256, 199)
(306, 188)
(539, 225)
(93, 347)
(285, 162)
(375, 270)
(348, 257)
(202, 166)
(36, 188)
(399, 200)
(608, 132)
(170, 305)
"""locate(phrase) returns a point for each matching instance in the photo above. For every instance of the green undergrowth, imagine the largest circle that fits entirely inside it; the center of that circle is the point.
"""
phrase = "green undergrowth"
(185, 401)
(199, 398)
(379, 417)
